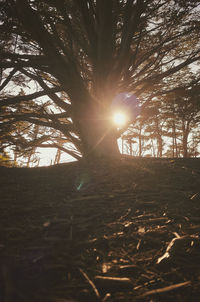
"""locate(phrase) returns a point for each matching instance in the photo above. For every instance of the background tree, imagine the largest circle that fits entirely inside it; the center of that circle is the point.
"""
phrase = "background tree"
(170, 117)
(194, 144)
(184, 106)
(62, 46)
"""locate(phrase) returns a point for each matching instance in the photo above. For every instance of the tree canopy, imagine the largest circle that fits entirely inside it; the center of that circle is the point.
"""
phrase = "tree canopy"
(72, 58)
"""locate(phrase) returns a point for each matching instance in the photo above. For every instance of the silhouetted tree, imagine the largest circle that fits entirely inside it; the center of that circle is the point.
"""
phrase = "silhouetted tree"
(81, 54)
(182, 110)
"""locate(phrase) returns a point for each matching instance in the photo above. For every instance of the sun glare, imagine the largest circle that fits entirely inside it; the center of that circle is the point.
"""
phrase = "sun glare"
(119, 119)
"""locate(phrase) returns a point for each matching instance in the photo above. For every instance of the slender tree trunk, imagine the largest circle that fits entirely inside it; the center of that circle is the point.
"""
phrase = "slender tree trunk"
(38, 162)
(185, 129)
(153, 148)
(28, 161)
(176, 146)
(29, 158)
(57, 157)
(140, 141)
(159, 139)
(185, 144)
(15, 157)
(173, 147)
(130, 147)
(173, 140)
(160, 146)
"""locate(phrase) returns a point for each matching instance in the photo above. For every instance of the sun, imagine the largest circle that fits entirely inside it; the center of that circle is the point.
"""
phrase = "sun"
(119, 118)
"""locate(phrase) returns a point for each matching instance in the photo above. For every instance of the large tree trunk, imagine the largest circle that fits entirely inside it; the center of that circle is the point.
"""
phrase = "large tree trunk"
(99, 139)
(96, 131)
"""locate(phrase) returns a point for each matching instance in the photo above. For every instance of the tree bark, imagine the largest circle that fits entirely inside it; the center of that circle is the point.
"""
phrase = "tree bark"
(99, 139)
(97, 134)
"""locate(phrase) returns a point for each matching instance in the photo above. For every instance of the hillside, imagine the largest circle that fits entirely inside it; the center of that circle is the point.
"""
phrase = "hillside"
(76, 232)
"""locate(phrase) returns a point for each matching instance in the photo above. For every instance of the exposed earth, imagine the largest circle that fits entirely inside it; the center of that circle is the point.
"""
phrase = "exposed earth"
(127, 231)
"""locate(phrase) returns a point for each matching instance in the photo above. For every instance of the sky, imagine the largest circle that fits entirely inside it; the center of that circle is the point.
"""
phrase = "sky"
(47, 156)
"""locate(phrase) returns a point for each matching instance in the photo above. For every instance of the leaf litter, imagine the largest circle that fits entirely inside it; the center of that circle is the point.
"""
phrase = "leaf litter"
(125, 235)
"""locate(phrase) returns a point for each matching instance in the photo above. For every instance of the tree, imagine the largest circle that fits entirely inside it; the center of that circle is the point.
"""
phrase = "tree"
(174, 115)
(184, 106)
(82, 54)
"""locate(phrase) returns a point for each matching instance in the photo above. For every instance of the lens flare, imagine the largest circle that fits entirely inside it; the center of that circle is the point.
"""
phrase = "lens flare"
(126, 103)
(119, 118)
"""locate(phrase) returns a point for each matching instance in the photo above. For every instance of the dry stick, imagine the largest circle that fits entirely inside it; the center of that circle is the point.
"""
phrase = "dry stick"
(125, 215)
(166, 289)
(106, 297)
(91, 283)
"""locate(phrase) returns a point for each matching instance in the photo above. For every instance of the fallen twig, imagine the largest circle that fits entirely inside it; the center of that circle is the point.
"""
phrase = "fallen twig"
(166, 289)
(91, 283)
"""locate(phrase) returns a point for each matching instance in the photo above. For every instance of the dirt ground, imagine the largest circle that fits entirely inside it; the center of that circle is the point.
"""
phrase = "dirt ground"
(127, 231)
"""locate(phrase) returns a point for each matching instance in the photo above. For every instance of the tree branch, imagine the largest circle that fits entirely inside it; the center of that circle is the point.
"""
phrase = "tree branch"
(7, 80)
(52, 96)
(157, 78)
(29, 97)
(46, 116)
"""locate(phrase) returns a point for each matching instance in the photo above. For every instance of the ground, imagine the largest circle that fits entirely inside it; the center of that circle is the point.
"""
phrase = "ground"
(80, 232)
